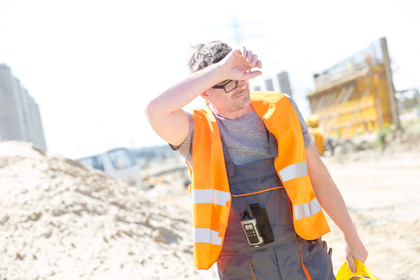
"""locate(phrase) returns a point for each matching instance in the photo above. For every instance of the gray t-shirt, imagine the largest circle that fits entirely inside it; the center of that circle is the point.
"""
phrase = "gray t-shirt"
(246, 138)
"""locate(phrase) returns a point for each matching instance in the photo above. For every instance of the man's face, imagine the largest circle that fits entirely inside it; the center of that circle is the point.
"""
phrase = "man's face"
(234, 100)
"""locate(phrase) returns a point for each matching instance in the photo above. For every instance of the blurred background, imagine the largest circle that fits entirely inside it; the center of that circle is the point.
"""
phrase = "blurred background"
(91, 66)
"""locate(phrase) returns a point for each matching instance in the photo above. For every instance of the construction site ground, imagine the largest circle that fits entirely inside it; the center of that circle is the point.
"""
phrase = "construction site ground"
(62, 220)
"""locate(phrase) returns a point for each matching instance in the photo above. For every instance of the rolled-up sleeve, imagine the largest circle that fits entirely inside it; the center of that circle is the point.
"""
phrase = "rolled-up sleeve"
(185, 149)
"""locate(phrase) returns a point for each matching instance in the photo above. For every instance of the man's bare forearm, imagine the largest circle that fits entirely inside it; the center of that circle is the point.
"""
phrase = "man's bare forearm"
(165, 112)
(333, 203)
(328, 194)
(181, 94)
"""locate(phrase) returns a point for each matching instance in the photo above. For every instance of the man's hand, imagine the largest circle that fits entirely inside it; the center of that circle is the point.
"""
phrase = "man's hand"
(355, 249)
(238, 65)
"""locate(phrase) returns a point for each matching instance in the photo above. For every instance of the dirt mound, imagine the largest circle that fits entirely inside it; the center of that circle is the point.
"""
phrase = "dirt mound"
(62, 220)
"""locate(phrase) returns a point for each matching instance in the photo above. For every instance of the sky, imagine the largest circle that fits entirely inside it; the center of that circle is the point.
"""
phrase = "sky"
(92, 65)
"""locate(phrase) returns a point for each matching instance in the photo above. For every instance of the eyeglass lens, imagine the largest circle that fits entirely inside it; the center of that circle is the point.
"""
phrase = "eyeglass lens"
(231, 86)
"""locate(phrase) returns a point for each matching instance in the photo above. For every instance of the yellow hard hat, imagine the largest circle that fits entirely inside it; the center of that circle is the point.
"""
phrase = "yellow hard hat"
(362, 272)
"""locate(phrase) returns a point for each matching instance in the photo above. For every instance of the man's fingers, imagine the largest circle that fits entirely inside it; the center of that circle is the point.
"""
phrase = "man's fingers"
(249, 56)
(240, 64)
(351, 264)
(254, 61)
(364, 258)
(244, 52)
(250, 75)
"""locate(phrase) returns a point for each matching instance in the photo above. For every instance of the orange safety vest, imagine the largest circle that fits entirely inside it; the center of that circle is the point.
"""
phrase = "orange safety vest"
(210, 192)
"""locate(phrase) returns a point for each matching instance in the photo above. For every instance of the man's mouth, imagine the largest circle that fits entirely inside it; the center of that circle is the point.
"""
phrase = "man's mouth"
(240, 94)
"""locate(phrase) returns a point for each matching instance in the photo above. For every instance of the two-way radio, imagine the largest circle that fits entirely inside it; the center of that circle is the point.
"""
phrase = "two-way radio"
(252, 232)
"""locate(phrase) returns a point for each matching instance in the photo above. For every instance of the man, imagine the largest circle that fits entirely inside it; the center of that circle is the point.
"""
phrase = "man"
(258, 182)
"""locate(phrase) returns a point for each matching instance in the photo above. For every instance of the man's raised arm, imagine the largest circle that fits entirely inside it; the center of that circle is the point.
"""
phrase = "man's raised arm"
(165, 112)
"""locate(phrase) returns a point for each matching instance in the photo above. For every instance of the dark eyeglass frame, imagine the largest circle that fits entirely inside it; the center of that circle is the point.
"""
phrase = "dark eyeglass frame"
(225, 84)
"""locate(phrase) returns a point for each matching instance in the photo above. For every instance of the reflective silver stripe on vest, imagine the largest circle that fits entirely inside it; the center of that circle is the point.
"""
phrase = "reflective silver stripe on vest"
(307, 209)
(294, 171)
(206, 235)
(210, 196)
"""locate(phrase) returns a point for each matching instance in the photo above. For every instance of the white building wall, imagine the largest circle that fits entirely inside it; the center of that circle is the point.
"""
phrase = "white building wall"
(20, 117)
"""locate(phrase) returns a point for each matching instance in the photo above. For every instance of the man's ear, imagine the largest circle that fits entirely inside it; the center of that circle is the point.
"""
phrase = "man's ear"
(205, 95)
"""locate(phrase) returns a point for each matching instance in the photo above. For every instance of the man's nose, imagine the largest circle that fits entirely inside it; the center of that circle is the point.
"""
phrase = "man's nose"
(242, 83)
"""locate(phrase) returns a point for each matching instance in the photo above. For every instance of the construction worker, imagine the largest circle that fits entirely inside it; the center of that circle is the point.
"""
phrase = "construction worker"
(258, 183)
(314, 130)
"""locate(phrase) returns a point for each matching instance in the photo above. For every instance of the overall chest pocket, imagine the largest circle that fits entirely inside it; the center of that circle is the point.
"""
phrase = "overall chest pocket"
(254, 178)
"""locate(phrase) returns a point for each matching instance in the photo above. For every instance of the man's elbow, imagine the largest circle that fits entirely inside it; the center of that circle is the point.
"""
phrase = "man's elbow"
(151, 110)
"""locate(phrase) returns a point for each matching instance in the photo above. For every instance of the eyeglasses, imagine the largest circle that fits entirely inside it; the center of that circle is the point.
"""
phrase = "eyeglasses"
(228, 86)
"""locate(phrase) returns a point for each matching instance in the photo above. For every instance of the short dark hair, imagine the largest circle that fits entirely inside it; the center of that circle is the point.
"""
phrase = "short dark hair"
(206, 54)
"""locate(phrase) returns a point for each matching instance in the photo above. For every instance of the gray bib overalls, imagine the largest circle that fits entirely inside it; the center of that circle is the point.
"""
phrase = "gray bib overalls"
(283, 258)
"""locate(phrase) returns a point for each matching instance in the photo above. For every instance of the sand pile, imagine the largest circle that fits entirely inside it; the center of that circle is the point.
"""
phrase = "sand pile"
(61, 220)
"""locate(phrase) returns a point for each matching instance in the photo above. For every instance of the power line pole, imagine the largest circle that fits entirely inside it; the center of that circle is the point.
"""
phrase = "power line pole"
(391, 89)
